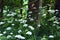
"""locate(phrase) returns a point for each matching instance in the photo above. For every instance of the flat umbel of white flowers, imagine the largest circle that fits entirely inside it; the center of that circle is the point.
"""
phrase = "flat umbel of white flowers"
(19, 37)
(51, 36)
(2, 23)
(29, 33)
(1, 34)
(31, 27)
(9, 36)
(19, 31)
(25, 25)
(8, 28)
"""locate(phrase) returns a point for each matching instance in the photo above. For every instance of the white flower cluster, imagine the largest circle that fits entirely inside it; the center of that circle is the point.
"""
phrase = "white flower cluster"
(16, 19)
(11, 33)
(12, 14)
(1, 34)
(9, 36)
(22, 21)
(31, 19)
(2, 23)
(4, 32)
(19, 31)
(51, 36)
(19, 37)
(31, 27)
(56, 22)
(19, 15)
(38, 25)
(12, 24)
(25, 25)
(51, 11)
(4, 11)
(29, 33)
(8, 28)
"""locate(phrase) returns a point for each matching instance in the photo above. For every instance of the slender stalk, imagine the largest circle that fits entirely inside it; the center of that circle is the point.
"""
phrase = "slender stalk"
(40, 11)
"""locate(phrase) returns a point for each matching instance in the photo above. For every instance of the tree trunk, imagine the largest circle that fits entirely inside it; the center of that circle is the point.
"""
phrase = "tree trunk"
(57, 6)
(33, 10)
(40, 11)
(1, 8)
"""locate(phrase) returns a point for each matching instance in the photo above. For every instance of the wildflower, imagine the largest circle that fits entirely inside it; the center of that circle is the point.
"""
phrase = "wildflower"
(1, 34)
(44, 15)
(8, 14)
(19, 15)
(4, 32)
(8, 28)
(44, 38)
(21, 8)
(51, 36)
(2, 23)
(4, 11)
(31, 19)
(23, 21)
(16, 19)
(19, 37)
(29, 33)
(13, 13)
(29, 15)
(9, 36)
(31, 27)
(51, 11)
(12, 24)
(56, 22)
(56, 10)
(11, 33)
(38, 25)
(25, 25)
(19, 31)
(20, 20)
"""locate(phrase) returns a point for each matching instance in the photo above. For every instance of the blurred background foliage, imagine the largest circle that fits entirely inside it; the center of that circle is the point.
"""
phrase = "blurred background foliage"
(13, 27)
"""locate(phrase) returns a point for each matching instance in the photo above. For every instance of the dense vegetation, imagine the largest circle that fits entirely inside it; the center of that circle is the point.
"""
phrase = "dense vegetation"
(15, 24)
